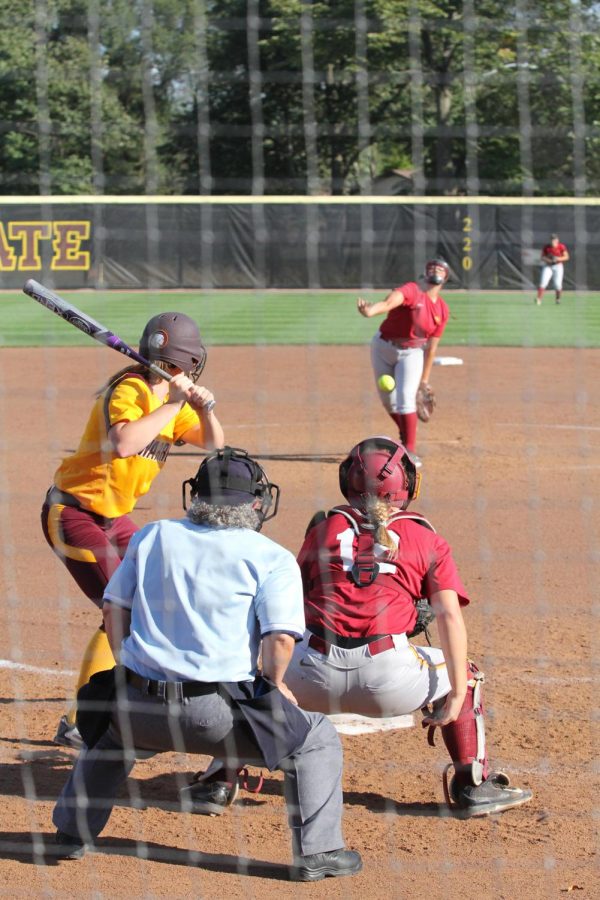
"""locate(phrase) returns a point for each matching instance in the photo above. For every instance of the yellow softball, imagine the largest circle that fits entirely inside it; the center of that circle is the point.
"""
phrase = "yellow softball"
(386, 383)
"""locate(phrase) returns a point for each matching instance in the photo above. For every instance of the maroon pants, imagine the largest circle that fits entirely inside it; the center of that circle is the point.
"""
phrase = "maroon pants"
(90, 546)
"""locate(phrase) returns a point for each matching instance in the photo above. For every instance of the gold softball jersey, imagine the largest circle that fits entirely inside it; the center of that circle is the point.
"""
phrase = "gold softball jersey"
(102, 482)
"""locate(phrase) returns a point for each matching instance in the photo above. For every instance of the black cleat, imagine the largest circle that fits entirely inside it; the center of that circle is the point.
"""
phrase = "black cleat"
(68, 847)
(68, 735)
(494, 795)
(208, 798)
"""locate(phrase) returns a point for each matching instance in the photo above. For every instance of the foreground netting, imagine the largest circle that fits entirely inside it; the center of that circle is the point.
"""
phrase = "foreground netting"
(484, 119)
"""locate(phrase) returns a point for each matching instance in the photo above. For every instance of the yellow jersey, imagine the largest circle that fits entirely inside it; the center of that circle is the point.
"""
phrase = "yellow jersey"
(101, 481)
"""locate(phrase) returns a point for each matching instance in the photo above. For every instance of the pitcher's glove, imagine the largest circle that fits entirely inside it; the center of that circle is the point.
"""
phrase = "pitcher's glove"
(426, 401)
(425, 616)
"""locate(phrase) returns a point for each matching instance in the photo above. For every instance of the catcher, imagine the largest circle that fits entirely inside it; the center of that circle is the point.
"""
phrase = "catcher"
(365, 566)
(405, 347)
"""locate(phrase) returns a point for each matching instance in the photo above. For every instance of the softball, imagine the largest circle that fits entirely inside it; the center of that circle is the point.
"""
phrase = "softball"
(386, 383)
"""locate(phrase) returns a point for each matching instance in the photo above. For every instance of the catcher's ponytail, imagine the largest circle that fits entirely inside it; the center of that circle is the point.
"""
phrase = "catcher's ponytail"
(378, 512)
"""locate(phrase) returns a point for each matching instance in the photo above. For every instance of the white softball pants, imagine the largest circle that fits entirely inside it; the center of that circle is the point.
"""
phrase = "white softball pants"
(406, 368)
(552, 273)
(396, 682)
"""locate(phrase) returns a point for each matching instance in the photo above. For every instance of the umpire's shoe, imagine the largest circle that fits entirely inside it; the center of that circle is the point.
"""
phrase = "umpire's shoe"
(68, 847)
(317, 866)
(494, 795)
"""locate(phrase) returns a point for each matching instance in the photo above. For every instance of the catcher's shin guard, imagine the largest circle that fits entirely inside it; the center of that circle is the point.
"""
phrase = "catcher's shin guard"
(465, 737)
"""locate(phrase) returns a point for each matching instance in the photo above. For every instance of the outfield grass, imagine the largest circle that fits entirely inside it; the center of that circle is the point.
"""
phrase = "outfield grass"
(477, 318)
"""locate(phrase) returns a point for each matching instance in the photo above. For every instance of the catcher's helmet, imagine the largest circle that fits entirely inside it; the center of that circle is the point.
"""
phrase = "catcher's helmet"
(174, 338)
(432, 273)
(229, 477)
(379, 467)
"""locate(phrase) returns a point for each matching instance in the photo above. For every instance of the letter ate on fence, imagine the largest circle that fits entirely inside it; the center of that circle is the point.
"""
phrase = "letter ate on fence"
(66, 237)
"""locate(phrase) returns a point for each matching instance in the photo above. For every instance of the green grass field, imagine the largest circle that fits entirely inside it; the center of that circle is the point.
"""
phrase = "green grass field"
(278, 317)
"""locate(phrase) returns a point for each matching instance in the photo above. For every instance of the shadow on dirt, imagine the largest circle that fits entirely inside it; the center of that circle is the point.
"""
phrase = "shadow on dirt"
(40, 775)
(39, 849)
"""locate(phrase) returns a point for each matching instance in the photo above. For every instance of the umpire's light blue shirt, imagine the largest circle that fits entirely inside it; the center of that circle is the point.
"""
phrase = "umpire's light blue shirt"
(201, 598)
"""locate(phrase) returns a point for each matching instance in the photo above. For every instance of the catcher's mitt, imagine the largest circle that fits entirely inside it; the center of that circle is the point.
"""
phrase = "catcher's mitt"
(425, 616)
(425, 401)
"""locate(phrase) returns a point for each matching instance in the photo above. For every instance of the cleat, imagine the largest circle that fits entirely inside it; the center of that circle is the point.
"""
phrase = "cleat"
(208, 798)
(332, 864)
(494, 795)
(68, 735)
(68, 847)
(211, 792)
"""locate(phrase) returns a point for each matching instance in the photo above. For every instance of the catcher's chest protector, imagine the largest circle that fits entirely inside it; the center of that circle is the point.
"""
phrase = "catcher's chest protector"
(365, 569)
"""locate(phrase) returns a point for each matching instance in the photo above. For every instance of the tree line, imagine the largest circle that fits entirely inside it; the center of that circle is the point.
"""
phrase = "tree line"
(298, 97)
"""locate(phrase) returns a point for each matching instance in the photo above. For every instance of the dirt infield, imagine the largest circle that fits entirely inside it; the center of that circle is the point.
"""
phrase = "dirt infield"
(511, 477)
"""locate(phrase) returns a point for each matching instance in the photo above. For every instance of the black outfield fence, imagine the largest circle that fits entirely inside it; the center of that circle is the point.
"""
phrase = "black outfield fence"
(281, 242)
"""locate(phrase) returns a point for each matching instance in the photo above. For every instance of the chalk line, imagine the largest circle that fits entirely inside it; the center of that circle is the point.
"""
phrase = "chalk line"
(35, 670)
(543, 425)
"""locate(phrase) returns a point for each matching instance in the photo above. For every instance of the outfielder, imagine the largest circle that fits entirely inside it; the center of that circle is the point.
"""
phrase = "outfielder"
(136, 419)
(187, 612)
(553, 257)
(406, 344)
(364, 566)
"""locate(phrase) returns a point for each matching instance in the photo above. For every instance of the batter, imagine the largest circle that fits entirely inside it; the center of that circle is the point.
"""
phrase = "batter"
(136, 419)
(406, 344)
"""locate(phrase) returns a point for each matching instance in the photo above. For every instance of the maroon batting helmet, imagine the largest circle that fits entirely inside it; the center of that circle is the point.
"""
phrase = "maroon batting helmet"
(174, 338)
(432, 271)
(379, 467)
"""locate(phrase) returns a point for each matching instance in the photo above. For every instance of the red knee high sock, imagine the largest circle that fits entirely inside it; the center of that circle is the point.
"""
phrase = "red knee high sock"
(407, 427)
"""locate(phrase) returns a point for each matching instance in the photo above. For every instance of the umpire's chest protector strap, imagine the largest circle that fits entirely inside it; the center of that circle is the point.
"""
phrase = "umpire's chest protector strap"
(277, 725)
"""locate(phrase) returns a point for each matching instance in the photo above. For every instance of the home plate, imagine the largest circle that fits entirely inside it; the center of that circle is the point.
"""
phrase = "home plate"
(448, 361)
(349, 723)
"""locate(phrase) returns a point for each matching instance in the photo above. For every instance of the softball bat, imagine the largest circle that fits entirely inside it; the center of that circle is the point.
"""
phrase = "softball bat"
(85, 323)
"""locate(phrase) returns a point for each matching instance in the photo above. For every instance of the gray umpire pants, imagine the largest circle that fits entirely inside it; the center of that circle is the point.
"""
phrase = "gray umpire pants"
(205, 725)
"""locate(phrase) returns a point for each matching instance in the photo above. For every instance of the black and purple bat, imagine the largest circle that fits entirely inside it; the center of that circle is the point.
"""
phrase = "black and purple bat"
(85, 323)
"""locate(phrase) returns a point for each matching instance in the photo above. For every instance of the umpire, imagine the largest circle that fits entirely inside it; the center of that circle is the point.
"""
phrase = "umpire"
(187, 612)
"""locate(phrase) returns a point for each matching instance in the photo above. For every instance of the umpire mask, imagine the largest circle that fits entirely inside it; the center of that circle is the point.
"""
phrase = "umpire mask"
(229, 477)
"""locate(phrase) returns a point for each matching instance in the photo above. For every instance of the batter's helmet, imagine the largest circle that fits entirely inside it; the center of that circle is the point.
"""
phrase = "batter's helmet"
(379, 467)
(174, 338)
(229, 477)
(432, 274)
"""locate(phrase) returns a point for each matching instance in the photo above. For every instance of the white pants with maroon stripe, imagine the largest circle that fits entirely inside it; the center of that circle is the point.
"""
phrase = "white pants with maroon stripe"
(395, 682)
(405, 365)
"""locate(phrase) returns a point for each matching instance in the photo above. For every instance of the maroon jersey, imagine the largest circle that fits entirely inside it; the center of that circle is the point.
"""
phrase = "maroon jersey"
(552, 251)
(332, 600)
(417, 319)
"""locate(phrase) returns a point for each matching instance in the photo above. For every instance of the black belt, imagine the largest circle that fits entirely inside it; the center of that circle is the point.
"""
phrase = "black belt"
(170, 690)
(376, 643)
(55, 495)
